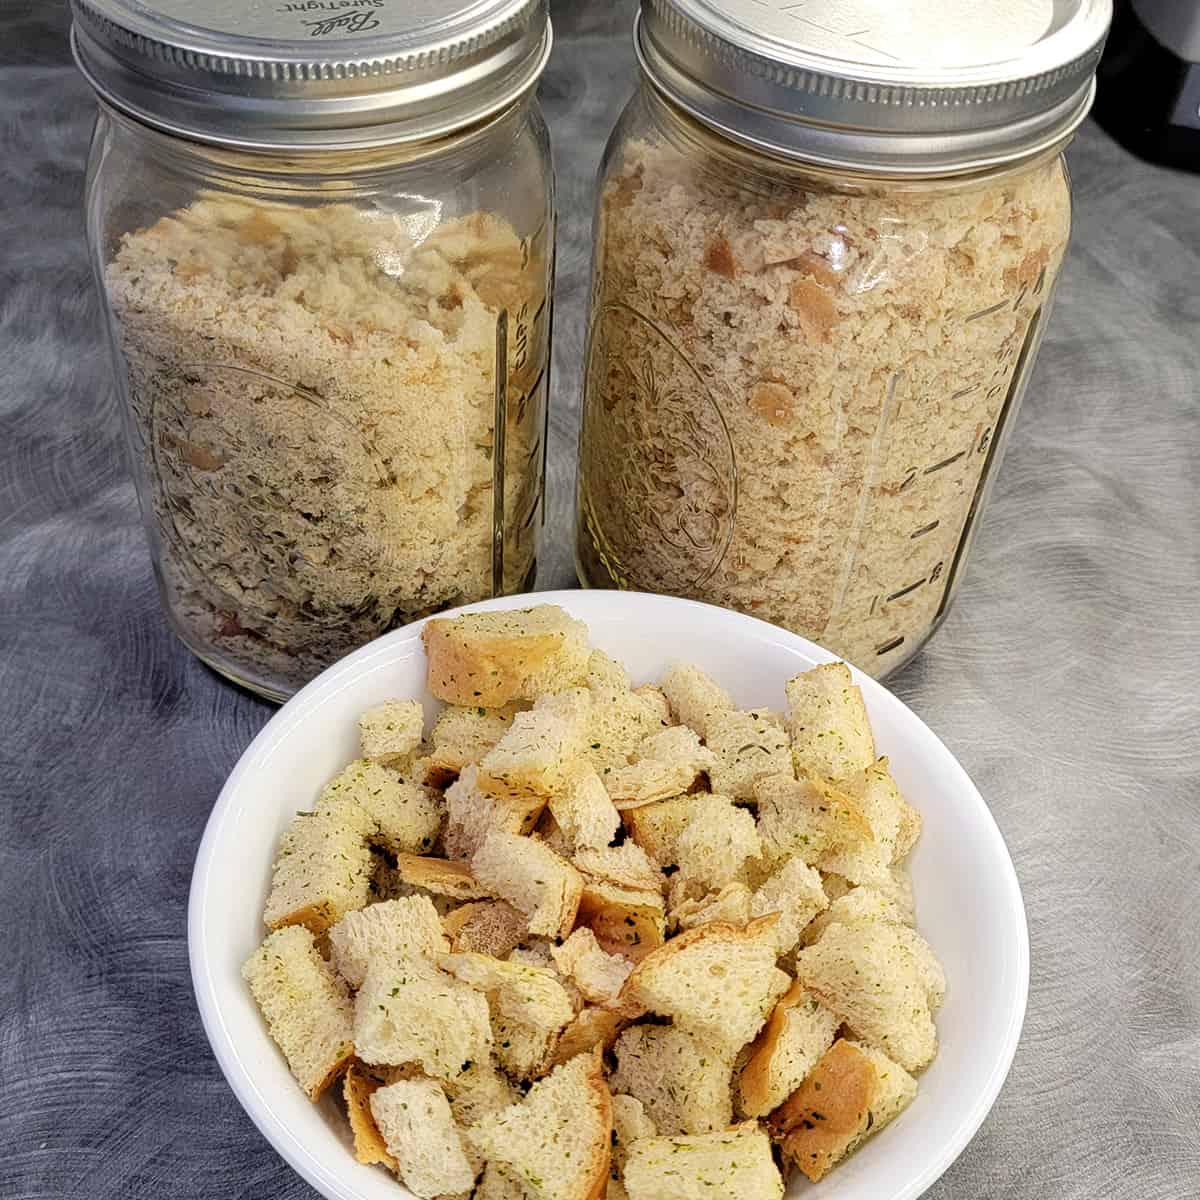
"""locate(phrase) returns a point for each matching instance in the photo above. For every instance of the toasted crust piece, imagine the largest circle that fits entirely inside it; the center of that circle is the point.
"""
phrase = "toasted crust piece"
(731, 905)
(734, 1164)
(462, 736)
(664, 764)
(694, 698)
(656, 827)
(440, 876)
(626, 865)
(714, 849)
(407, 927)
(598, 975)
(747, 745)
(493, 658)
(828, 722)
(798, 1032)
(322, 870)
(582, 808)
(391, 731)
(719, 981)
(626, 921)
(852, 1092)
(807, 818)
(533, 759)
(485, 927)
(369, 1147)
(415, 1119)
(533, 879)
(407, 815)
(592, 1027)
(557, 1140)
(306, 1007)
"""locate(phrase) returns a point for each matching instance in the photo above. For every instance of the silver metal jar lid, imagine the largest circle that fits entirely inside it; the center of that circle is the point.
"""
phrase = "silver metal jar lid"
(909, 87)
(296, 74)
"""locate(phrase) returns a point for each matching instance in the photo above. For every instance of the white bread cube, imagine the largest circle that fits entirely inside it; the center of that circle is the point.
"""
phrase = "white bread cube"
(407, 1011)
(582, 809)
(533, 758)
(626, 865)
(694, 697)
(795, 892)
(620, 721)
(415, 1119)
(523, 1051)
(440, 876)
(533, 879)
(485, 927)
(322, 869)
(869, 976)
(477, 1091)
(881, 804)
(472, 812)
(406, 928)
(828, 723)
(627, 921)
(798, 1032)
(731, 905)
(719, 981)
(391, 731)
(630, 1122)
(490, 659)
(462, 736)
(603, 671)
(408, 816)
(714, 849)
(807, 818)
(598, 975)
(664, 765)
(529, 995)
(592, 1027)
(656, 827)
(852, 1092)
(557, 1140)
(358, 1086)
(747, 745)
(306, 1007)
(658, 699)
(733, 1164)
(682, 1080)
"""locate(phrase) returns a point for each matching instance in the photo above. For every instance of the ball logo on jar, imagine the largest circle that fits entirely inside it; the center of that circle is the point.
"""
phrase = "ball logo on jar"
(659, 468)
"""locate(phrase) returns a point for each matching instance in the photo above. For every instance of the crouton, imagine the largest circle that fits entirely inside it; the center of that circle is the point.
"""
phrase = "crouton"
(879, 800)
(497, 1184)
(391, 731)
(807, 818)
(627, 921)
(478, 1090)
(462, 736)
(582, 808)
(408, 1011)
(603, 671)
(620, 722)
(734, 1164)
(908, 832)
(694, 698)
(490, 659)
(796, 894)
(598, 975)
(850, 1094)
(731, 905)
(828, 723)
(664, 764)
(799, 1030)
(747, 745)
(322, 869)
(415, 1119)
(439, 876)
(556, 1141)
(407, 928)
(869, 976)
(592, 1027)
(529, 995)
(533, 879)
(626, 865)
(485, 927)
(682, 1079)
(407, 816)
(714, 848)
(306, 1007)
(656, 827)
(358, 1085)
(471, 813)
(629, 1123)
(523, 1051)
(533, 758)
(720, 981)
(657, 699)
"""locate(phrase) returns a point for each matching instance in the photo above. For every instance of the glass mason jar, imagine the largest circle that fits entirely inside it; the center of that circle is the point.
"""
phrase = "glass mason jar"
(330, 324)
(807, 344)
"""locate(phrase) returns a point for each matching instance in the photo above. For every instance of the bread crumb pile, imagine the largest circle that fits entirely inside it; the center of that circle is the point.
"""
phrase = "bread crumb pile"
(314, 394)
(793, 388)
(550, 960)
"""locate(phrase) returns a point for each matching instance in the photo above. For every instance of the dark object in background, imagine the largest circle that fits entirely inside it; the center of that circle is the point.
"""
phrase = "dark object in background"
(1149, 80)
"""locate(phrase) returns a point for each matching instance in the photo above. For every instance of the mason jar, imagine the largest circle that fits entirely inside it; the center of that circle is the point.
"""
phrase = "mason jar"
(826, 251)
(323, 233)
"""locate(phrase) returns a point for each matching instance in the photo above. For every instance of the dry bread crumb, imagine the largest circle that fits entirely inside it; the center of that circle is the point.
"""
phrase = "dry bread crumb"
(792, 390)
(314, 391)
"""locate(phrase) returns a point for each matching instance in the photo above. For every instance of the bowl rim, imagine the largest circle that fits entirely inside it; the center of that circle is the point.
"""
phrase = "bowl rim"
(341, 674)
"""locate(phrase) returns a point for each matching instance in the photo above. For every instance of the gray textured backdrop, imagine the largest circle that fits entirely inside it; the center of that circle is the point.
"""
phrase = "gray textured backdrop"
(1066, 681)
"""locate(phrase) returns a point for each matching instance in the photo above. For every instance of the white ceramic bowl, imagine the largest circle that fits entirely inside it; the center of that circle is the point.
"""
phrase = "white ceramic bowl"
(968, 900)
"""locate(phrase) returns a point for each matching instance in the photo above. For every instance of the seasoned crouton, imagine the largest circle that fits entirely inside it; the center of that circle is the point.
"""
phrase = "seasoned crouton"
(415, 1119)
(533, 879)
(582, 808)
(497, 1184)
(533, 758)
(391, 731)
(714, 849)
(462, 736)
(630, 1122)
(626, 865)
(471, 813)
(603, 671)
(529, 995)
(747, 745)
(523, 1051)
(322, 869)
(627, 921)
(440, 876)
(598, 974)
(657, 698)
(407, 816)
(306, 1007)
(592, 1027)
(477, 1091)
(869, 976)
(682, 1079)
(406, 928)
(807, 818)
(664, 764)
(719, 981)
(485, 927)
(828, 723)
(851, 1093)
(358, 1085)
(734, 1164)
(880, 802)
(798, 1032)
(796, 894)
(620, 722)
(557, 1140)
(909, 831)
(656, 827)
(731, 905)
(493, 658)
(408, 1011)
(695, 699)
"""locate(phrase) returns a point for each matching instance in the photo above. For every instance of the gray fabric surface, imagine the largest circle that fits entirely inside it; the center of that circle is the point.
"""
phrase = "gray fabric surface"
(1065, 680)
